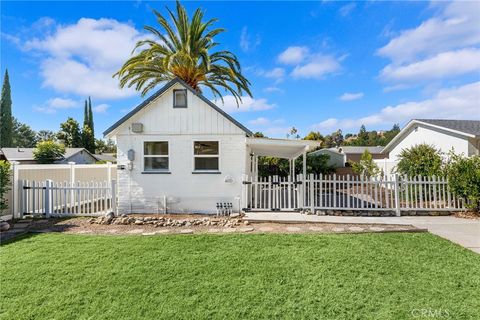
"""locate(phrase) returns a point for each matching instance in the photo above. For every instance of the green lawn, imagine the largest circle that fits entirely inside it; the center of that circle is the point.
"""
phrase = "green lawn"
(370, 276)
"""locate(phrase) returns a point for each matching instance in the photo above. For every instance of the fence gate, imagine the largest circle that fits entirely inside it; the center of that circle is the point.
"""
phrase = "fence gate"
(273, 193)
(48, 198)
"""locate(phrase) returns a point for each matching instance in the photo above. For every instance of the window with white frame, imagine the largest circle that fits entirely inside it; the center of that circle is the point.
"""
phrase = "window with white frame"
(155, 156)
(180, 98)
(206, 156)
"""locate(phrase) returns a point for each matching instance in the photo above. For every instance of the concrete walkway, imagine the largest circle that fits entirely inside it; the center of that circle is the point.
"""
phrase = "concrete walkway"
(465, 232)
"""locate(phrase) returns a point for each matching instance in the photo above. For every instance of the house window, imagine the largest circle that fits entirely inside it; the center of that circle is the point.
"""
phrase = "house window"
(180, 98)
(206, 156)
(155, 156)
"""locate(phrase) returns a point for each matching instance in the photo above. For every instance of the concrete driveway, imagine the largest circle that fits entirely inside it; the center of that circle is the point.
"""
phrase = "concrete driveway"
(465, 232)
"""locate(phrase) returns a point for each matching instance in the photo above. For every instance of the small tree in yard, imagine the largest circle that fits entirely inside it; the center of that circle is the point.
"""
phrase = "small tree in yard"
(48, 152)
(420, 160)
(464, 179)
(366, 166)
(4, 184)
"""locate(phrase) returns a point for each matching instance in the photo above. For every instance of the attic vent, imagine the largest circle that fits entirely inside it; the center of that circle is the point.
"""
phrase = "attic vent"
(137, 127)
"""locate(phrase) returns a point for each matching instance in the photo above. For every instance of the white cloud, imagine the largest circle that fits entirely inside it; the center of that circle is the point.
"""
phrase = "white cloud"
(80, 58)
(452, 103)
(441, 47)
(273, 89)
(261, 121)
(101, 108)
(347, 9)
(293, 55)
(275, 73)
(457, 26)
(247, 104)
(443, 65)
(317, 68)
(351, 96)
(246, 43)
(53, 105)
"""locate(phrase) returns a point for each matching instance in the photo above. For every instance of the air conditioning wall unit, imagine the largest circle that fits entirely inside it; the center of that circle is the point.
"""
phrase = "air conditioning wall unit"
(137, 127)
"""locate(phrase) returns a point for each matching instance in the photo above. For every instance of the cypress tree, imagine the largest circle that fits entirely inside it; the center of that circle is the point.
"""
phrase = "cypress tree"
(90, 116)
(85, 114)
(6, 119)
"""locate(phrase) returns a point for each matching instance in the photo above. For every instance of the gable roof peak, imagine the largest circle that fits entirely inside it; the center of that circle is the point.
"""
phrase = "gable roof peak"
(161, 91)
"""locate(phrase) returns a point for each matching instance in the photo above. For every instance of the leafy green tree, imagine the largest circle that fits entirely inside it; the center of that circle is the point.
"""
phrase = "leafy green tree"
(184, 50)
(314, 135)
(4, 184)
(46, 135)
(22, 135)
(366, 166)
(48, 152)
(464, 179)
(259, 135)
(69, 134)
(420, 160)
(6, 119)
(105, 147)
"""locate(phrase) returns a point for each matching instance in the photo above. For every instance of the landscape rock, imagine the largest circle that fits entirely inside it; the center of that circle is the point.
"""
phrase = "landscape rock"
(4, 226)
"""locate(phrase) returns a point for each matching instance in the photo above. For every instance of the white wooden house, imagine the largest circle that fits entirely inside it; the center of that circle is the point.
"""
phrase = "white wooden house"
(178, 151)
(459, 136)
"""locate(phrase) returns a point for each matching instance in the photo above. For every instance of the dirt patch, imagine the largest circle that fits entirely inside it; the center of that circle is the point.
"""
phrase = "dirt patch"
(467, 215)
(84, 226)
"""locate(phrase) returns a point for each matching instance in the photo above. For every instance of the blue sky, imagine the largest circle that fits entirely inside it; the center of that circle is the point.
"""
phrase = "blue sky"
(313, 65)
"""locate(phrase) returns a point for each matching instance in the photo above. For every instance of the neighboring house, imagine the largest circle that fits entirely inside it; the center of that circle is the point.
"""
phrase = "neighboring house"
(340, 156)
(461, 136)
(107, 157)
(178, 151)
(25, 156)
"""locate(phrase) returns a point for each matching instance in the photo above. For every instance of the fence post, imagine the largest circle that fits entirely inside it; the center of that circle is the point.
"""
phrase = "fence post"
(396, 194)
(48, 198)
(312, 194)
(114, 196)
(15, 190)
(109, 171)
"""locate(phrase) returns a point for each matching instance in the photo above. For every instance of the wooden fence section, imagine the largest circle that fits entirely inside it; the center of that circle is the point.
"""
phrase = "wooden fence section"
(49, 198)
(356, 193)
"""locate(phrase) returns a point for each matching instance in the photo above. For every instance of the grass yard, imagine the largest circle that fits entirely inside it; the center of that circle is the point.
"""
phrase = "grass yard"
(367, 276)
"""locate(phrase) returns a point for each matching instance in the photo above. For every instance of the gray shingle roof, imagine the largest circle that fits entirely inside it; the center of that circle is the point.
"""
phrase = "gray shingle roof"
(352, 150)
(466, 126)
(361, 149)
(18, 154)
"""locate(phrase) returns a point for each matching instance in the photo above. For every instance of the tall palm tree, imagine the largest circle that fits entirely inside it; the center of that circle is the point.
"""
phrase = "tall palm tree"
(183, 50)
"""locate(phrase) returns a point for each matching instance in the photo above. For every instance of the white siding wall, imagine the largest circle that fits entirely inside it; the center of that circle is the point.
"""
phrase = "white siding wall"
(185, 191)
(441, 139)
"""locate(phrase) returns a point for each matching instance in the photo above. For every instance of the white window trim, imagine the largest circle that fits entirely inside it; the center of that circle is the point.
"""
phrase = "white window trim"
(155, 156)
(175, 100)
(206, 156)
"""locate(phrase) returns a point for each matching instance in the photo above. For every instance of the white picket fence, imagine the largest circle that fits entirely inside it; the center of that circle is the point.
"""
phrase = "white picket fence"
(332, 192)
(58, 173)
(49, 198)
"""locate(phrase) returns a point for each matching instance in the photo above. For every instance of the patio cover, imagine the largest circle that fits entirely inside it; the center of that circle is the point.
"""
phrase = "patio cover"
(280, 148)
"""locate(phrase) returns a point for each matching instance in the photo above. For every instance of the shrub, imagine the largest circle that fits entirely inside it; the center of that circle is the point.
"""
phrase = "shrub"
(366, 166)
(464, 179)
(4, 184)
(420, 160)
(48, 152)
